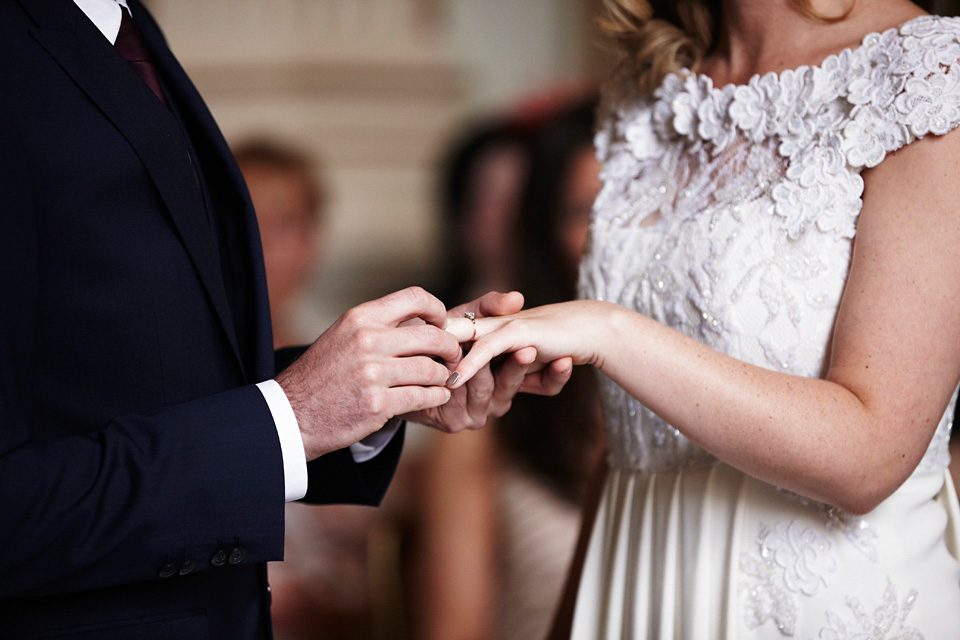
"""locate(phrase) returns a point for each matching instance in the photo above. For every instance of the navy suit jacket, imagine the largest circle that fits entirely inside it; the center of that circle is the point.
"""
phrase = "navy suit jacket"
(141, 479)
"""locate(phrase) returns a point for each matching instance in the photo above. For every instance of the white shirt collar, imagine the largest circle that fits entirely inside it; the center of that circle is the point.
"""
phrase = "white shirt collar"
(105, 15)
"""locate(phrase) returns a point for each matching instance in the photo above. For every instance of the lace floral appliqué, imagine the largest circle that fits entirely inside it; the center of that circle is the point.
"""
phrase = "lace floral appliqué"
(728, 213)
(885, 622)
(788, 560)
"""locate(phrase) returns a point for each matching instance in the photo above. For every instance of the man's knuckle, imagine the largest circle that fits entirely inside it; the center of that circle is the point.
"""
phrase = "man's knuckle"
(476, 425)
(417, 294)
(436, 373)
(419, 398)
(365, 340)
(373, 401)
(354, 315)
(456, 424)
(371, 372)
(431, 339)
(485, 386)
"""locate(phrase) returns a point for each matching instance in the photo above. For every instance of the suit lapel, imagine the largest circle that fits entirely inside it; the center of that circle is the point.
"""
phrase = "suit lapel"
(240, 211)
(150, 128)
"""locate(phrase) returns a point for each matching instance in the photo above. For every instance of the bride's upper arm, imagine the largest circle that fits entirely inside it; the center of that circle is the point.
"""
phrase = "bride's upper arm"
(896, 342)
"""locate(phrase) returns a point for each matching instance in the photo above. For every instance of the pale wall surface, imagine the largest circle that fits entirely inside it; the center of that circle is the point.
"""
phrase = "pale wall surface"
(375, 88)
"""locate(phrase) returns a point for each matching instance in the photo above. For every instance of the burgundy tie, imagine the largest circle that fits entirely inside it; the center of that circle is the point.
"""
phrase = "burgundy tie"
(129, 46)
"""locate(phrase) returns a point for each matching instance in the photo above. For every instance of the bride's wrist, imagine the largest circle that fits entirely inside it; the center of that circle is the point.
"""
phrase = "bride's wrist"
(607, 328)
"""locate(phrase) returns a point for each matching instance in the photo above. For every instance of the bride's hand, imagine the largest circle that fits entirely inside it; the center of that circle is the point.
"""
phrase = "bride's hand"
(568, 330)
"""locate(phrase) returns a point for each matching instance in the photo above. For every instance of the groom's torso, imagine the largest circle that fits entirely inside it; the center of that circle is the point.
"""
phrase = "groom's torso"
(135, 282)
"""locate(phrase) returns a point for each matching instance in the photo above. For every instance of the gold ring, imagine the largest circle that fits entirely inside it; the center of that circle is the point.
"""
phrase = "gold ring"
(472, 317)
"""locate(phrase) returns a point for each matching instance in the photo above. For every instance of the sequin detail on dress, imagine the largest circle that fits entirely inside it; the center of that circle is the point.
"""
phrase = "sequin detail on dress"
(728, 213)
(788, 560)
(886, 622)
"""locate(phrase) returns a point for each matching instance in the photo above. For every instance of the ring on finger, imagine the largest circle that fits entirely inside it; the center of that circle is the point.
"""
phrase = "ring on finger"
(472, 317)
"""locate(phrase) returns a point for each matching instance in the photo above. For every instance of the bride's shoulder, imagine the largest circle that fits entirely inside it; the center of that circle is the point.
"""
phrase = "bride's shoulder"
(902, 84)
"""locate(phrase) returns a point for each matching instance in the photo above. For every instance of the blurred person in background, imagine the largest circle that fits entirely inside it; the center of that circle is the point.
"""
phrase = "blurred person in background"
(482, 182)
(498, 542)
(288, 196)
(481, 185)
(321, 589)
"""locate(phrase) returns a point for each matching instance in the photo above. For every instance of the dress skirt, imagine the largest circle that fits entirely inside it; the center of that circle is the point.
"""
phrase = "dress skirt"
(711, 553)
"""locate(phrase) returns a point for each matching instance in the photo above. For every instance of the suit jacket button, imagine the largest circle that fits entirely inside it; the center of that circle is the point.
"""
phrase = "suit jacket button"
(187, 567)
(237, 555)
(167, 570)
(219, 558)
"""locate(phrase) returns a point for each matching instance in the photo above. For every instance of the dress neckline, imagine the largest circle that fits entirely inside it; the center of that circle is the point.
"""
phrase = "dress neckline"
(868, 40)
(785, 104)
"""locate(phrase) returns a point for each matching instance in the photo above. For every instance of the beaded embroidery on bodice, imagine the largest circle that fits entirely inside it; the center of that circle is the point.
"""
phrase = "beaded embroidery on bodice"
(729, 213)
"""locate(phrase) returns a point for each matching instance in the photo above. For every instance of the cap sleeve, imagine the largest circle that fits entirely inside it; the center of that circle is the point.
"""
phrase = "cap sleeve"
(917, 91)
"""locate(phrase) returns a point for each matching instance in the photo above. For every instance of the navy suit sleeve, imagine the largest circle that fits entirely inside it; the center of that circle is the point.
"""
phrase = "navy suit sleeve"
(117, 505)
(336, 478)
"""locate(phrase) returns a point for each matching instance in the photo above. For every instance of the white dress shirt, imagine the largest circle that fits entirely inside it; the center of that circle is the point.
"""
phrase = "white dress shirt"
(106, 15)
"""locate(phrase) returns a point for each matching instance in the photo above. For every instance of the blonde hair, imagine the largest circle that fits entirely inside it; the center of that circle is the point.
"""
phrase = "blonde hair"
(661, 36)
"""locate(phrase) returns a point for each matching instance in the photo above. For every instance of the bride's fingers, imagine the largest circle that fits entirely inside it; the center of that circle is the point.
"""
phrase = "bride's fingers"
(467, 330)
(484, 350)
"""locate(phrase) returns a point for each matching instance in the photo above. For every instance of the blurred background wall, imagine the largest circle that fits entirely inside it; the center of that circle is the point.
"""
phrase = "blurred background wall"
(374, 88)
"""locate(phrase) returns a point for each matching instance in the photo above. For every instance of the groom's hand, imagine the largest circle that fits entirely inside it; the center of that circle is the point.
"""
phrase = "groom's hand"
(490, 392)
(370, 366)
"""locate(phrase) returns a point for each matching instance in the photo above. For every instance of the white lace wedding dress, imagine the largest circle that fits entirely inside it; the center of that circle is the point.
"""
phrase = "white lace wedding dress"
(729, 214)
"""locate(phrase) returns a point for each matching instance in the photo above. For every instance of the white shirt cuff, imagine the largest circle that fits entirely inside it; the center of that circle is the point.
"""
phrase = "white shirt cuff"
(373, 444)
(291, 443)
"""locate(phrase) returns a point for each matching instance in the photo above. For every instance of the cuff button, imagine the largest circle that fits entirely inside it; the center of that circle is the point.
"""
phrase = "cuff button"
(237, 555)
(187, 566)
(219, 558)
(167, 570)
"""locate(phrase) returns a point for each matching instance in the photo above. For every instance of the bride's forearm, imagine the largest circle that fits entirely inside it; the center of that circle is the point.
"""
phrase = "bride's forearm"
(850, 439)
(815, 437)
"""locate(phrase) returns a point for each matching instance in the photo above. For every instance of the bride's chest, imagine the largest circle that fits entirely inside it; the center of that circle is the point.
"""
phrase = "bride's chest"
(699, 244)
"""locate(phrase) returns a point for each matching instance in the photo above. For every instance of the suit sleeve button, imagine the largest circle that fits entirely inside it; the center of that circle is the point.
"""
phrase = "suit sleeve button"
(167, 570)
(187, 566)
(219, 558)
(237, 555)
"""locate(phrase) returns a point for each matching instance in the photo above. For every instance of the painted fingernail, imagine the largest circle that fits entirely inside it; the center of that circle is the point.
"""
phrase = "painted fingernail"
(454, 377)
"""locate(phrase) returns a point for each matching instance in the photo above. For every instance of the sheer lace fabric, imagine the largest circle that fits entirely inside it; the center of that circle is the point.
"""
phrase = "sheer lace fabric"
(729, 213)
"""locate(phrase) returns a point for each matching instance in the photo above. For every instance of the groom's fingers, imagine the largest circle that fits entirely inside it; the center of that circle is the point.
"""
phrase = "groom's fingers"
(498, 304)
(403, 305)
(509, 376)
(479, 392)
(412, 340)
(490, 304)
(549, 380)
